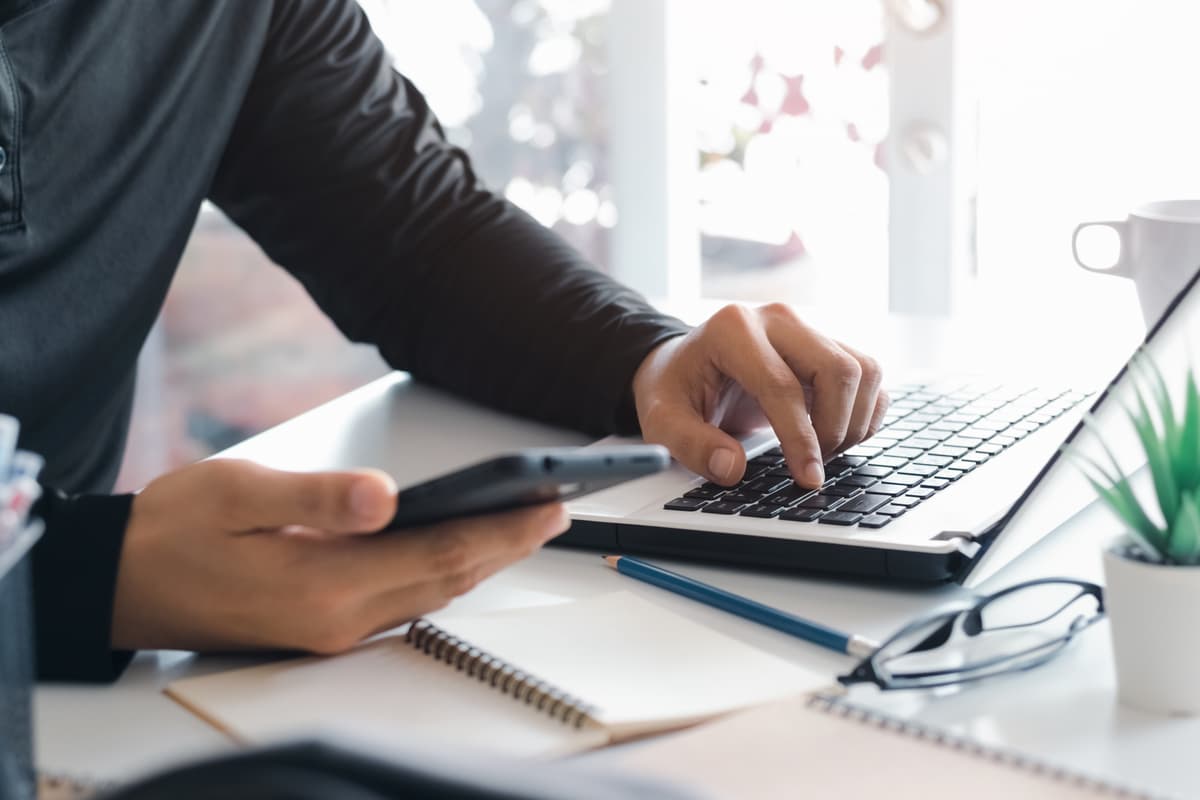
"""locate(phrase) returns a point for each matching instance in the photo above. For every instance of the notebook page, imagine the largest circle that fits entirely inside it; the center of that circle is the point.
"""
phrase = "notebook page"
(644, 667)
(789, 749)
(386, 692)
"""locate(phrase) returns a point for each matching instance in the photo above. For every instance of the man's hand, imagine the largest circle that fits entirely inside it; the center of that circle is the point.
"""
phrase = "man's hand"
(232, 555)
(746, 367)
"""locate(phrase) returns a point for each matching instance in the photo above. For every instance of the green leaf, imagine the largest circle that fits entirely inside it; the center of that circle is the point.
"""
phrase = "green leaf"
(1118, 495)
(1188, 458)
(1158, 387)
(1165, 486)
(1183, 544)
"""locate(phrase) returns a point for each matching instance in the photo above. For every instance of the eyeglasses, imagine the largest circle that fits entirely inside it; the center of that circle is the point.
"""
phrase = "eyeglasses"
(1015, 629)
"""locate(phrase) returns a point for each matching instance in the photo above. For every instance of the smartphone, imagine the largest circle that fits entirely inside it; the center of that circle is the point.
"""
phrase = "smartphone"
(525, 478)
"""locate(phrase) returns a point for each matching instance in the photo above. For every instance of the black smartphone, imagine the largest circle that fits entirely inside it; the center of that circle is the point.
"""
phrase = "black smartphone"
(525, 478)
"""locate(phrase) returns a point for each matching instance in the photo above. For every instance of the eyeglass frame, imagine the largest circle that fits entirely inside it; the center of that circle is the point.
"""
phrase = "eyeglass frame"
(868, 672)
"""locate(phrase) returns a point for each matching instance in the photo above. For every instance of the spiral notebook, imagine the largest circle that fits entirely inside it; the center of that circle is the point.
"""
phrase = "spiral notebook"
(546, 680)
(822, 745)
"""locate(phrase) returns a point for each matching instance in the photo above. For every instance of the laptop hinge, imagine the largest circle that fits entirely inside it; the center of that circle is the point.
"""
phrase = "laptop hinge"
(966, 541)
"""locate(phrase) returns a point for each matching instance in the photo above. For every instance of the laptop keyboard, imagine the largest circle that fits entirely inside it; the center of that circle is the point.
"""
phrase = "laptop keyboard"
(930, 437)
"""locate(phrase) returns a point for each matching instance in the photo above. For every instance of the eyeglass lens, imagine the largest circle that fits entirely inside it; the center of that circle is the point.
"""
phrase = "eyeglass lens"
(1011, 631)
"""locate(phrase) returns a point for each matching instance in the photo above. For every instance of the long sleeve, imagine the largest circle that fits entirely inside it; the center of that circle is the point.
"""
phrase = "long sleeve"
(74, 581)
(339, 170)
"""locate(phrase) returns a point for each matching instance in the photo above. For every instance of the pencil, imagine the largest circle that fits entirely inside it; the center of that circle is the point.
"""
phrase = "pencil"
(744, 607)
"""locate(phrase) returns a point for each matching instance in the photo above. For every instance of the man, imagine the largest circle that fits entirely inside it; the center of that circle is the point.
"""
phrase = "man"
(117, 119)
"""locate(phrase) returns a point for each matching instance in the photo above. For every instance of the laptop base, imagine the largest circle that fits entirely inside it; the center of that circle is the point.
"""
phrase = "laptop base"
(765, 552)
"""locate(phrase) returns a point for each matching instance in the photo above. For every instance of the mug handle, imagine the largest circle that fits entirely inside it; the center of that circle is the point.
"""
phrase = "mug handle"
(1121, 268)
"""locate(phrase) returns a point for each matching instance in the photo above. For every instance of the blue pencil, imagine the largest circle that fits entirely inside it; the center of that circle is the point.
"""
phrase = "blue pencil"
(752, 610)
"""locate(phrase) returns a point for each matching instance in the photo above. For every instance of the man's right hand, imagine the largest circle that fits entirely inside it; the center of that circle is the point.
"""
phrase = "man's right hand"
(230, 555)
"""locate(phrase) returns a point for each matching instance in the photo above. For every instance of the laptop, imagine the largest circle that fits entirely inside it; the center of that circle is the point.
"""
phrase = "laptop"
(962, 477)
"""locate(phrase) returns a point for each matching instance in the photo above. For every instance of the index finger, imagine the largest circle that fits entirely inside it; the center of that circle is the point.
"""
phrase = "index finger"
(744, 353)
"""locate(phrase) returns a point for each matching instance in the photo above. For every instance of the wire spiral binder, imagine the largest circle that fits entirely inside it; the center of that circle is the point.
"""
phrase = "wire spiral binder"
(836, 705)
(499, 674)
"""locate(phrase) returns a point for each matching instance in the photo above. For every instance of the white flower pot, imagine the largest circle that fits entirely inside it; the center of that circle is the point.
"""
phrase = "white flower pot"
(1152, 609)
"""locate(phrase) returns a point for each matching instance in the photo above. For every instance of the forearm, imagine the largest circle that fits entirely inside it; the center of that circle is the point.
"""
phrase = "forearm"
(74, 580)
(339, 169)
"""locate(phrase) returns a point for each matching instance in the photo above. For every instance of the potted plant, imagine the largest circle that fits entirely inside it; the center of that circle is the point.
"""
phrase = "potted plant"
(1152, 573)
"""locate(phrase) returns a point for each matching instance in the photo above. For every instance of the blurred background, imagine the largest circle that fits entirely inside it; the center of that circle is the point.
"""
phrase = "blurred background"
(854, 155)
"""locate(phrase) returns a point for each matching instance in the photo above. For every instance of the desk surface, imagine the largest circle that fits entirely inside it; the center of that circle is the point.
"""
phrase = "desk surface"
(1064, 712)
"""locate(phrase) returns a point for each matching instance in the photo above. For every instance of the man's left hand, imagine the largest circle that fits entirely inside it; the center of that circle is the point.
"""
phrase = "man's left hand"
(747, 367)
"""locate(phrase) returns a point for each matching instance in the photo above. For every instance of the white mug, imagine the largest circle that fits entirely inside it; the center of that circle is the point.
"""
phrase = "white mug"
(1160, 251)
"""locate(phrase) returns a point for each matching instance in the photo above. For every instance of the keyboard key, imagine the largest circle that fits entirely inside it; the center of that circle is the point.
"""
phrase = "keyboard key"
(700, 493)
(861, 481)
(989, 449)
(906, 453)
(892, 510)
(905, 478)
(780, 471)
(752, 472)
(920, 493)
(873, 521)
(842, 463)
(966, 442)
(838, 490)
(937, 484)
(889, 489)
(820, 501)
(908, 424)
(841, 518)
(974, 458)
(948, 450)
(787, 495)
(722, 507)
(921, 443)
(948, 427)
(864, 504)
(767, 484)
(800, 514)
(864, 451)
(977, 433)
(934, 461)
(871, 471)
(949, 474)
(887, 461)
(905, 502)
(1003, 440)
(1021, 429)
(684, 504)
(922, 470)
(761, 511)
(739, 496)
(767, 461)
(774, 451)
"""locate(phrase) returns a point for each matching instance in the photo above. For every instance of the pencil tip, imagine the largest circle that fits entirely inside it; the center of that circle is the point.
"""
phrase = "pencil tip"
(612, 560)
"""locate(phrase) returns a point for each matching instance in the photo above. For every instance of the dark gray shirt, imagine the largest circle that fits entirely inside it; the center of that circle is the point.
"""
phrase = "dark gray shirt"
(118, 118)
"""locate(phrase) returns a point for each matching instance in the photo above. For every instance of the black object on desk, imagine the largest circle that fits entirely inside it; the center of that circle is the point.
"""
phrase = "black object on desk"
(17, 780)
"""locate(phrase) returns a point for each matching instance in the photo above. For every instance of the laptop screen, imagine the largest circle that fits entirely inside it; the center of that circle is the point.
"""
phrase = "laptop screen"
(1172, 344)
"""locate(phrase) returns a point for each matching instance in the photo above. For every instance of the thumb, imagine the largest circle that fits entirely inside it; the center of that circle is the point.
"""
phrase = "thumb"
(698, 445)
(260, 497)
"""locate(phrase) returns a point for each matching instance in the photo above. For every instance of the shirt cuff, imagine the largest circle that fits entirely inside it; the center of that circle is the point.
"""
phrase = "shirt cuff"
(74, 583)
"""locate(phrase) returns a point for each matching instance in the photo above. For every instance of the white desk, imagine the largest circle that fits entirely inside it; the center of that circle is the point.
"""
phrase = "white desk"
(1065, 711)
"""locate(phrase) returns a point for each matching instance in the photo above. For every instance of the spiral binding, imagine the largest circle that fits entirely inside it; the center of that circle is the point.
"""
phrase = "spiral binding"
(499, 674)
(836, 705)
